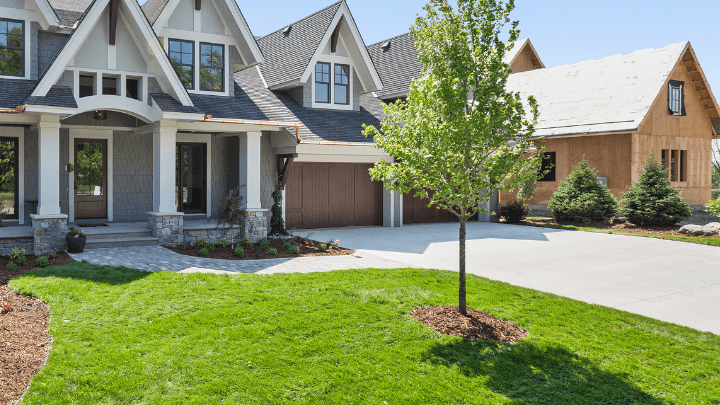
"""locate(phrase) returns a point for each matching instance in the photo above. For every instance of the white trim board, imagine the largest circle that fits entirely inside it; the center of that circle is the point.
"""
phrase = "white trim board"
(98, 133)
(18, 132)
(206, 139)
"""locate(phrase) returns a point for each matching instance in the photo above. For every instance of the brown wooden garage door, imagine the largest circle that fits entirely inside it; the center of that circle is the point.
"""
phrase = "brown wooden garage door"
(416, 211)
(330, 195)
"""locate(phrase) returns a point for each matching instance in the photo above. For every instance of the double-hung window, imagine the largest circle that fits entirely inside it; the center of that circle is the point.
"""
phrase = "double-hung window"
(12, 49)
(212, 62)
(182, 57)
(548, 166)
(342, 84)
(322, 82)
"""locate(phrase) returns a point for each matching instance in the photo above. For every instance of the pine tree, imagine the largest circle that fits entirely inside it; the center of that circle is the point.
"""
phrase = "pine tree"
(651, 200)
(581, 197)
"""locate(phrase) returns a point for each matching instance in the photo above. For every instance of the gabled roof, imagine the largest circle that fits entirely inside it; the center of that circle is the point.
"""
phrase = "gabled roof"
(153, 8)
(138, 22)
(520, 46)
(396, 60)
(288, 55)
(612, 94)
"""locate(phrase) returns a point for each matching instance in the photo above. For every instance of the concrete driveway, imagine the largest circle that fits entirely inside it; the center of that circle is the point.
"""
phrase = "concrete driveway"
(672, 281)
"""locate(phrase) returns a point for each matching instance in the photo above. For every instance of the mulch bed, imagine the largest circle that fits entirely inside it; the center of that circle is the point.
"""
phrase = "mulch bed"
(479, 325)
(24, 341)
(617, 225)
(254, 251)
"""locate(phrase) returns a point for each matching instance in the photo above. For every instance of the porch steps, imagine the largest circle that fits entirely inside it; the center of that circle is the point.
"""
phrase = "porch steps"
(119, 236)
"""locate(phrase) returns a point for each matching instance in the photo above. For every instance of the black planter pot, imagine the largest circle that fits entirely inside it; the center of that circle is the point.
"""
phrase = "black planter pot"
(76, 245)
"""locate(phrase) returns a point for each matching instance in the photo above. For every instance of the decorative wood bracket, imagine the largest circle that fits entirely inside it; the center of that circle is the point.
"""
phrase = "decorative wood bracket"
(113, 20)
(284, 162)
(198, 4)
(335, 36)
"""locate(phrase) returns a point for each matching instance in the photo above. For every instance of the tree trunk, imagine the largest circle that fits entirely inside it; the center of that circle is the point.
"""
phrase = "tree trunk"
(462, 304)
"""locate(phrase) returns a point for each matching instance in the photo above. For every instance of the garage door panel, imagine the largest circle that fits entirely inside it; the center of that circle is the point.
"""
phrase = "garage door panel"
(416, 210)
(332, 195)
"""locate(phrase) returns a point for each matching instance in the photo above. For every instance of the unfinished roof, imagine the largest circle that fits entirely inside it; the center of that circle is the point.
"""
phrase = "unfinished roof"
(608, 95)
(287, 55)
(523, 46)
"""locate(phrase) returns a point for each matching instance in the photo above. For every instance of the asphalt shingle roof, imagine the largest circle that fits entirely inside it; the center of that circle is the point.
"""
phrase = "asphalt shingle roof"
(287, 56)
(13, 92)
(397, 64)
(606, 95)
(153, 9)
(57, 96)
(70, 11)
(167, 103)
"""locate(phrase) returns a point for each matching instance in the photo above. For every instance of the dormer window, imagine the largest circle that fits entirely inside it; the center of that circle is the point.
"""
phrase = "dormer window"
(676, 98)
(12, 49)
(212, 61)
(183, 60)
(322, 82)
(342, 84)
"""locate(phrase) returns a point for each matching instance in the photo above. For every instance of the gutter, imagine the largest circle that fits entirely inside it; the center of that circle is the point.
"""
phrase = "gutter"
(209, 118)
(336, 143)
(17, 110)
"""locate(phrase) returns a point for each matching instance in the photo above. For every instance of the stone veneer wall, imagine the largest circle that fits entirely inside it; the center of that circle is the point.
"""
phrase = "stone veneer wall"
(268, 172)
(132, 176)
(224, 168)
(8, 244)
(49, 45)
(31, 170)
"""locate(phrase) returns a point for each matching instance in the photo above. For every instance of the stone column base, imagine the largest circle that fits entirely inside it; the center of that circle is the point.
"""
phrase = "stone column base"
(167, 227)
(257, 229)
(49, 233)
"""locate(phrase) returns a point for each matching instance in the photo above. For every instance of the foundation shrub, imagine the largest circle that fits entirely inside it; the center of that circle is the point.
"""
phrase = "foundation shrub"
(581, 198)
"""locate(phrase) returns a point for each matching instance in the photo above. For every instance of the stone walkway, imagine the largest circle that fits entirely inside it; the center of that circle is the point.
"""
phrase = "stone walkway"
(157, 258)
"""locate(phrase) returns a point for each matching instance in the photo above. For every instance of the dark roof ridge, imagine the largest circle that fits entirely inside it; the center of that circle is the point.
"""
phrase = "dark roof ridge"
(304, 18)
(390, 39)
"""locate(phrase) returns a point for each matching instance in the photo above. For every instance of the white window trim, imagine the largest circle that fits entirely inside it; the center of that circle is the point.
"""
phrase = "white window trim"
(17, 132)
(197, 38)
(332, 60)
(206, 139)
(21, 15)
(90, 134)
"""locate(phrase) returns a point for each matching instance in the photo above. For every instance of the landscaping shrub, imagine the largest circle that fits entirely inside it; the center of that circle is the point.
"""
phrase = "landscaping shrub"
(239, 252)
(21, 260)
(713, 206)
(581, 197)
(16, 253)
(11, 266)
(322, 247)
(42, 261)
(651, 200)
(272, 251)
(222, 243)
(287, 246)
(232, 215)
(295, 250)
(211, 247)
(246, 242)
(202, 243)
(204, 252)
(513, 212)
(264, 245)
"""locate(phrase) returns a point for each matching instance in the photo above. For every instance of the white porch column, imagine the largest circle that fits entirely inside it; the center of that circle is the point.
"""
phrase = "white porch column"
(492, 206)
(164, 136)
(250, 174)
(48, 165)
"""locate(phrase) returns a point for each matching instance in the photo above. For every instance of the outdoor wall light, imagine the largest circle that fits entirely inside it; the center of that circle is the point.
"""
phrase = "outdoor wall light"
(100, 115)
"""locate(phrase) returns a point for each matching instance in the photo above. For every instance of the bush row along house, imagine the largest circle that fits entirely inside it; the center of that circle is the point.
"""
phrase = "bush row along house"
(113, 112)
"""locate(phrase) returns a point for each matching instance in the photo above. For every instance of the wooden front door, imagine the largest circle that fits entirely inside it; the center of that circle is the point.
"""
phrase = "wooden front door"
(90, 178)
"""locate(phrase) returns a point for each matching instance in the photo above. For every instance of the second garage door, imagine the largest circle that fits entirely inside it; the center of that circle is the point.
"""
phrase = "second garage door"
(331, 195)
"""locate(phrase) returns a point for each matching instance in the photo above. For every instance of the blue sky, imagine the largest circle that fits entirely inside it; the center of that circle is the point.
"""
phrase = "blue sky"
(562, 31)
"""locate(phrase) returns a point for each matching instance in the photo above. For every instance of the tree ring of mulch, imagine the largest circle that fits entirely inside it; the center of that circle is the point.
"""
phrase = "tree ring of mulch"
(480, 325)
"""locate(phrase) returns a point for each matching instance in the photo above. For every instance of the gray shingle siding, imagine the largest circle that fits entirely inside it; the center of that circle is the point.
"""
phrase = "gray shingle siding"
(287, 56)
(49, 44)
(132, 176)
(34, 28)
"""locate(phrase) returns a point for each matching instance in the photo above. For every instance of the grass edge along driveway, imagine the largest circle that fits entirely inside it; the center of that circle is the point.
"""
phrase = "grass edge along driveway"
(123, 336)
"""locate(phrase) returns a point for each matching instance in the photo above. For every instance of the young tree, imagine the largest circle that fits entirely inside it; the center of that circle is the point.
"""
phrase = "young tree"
(460, 135)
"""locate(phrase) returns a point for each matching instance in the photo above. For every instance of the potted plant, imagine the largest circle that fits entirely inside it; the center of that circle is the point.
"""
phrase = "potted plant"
(75, 240)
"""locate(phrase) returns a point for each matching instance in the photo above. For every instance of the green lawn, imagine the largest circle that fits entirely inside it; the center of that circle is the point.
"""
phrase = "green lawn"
(127, 337)
(689, 239)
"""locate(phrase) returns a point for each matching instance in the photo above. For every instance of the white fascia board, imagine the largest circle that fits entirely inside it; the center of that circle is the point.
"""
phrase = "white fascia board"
(49, 109)
(199, 126)
(49, 16)
(245, 29)
(340, 153)
(71, 47)
(178, 116)
(343, 11)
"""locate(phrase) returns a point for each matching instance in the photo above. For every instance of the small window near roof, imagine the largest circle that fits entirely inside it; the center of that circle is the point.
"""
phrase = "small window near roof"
(182, 57)
(322, 82)
(212, 61)
(548, 166)
(12, 49)
(676, 98)
(342, 84)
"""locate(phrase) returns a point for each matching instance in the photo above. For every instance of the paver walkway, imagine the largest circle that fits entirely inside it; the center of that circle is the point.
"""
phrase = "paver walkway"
(156, 258)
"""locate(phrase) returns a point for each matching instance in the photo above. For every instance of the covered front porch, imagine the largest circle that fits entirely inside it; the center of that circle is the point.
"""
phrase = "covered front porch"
(163, 178)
